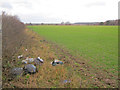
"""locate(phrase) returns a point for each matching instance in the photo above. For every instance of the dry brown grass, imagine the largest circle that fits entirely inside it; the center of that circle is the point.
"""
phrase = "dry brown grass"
(48, 76)
(81, 74)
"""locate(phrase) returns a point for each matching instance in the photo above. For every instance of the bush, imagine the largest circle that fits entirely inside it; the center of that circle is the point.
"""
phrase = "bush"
(12, 34)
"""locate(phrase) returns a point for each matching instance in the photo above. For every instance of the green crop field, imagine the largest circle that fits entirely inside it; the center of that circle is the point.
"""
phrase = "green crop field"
(97, 44)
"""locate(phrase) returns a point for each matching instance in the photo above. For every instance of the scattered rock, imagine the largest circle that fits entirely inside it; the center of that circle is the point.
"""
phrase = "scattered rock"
(66, 81)
(29, 60)
(24, 62)
(55, 62)
(37, 62)
(16, 71)
(30, 68)
(21, 56)
(41, 60)
(60, 62)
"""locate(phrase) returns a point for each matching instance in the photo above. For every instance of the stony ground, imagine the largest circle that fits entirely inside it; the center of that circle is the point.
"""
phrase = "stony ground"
(75, 69)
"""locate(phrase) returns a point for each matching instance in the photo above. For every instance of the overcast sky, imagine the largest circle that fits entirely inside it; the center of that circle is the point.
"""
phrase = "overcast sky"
(56, 11)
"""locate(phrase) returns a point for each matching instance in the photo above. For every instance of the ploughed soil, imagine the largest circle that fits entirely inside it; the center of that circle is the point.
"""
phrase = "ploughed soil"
(75, 69)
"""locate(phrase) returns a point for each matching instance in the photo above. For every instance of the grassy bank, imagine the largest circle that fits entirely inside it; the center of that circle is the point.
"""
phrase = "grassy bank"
(98, 44)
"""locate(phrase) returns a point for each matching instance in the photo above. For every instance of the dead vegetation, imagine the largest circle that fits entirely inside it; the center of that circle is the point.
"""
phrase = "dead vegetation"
(12, 34)
(12, 38)
(74, 69)
(79, 72)
(48, 75)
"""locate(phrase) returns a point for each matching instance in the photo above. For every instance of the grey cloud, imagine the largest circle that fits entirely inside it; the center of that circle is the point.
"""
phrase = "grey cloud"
(6, 5)
(24, 3)
(96, 4)
(38, 18)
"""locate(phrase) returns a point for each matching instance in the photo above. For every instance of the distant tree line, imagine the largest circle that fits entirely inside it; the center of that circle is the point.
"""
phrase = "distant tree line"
(109, 22)
(62, 23)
